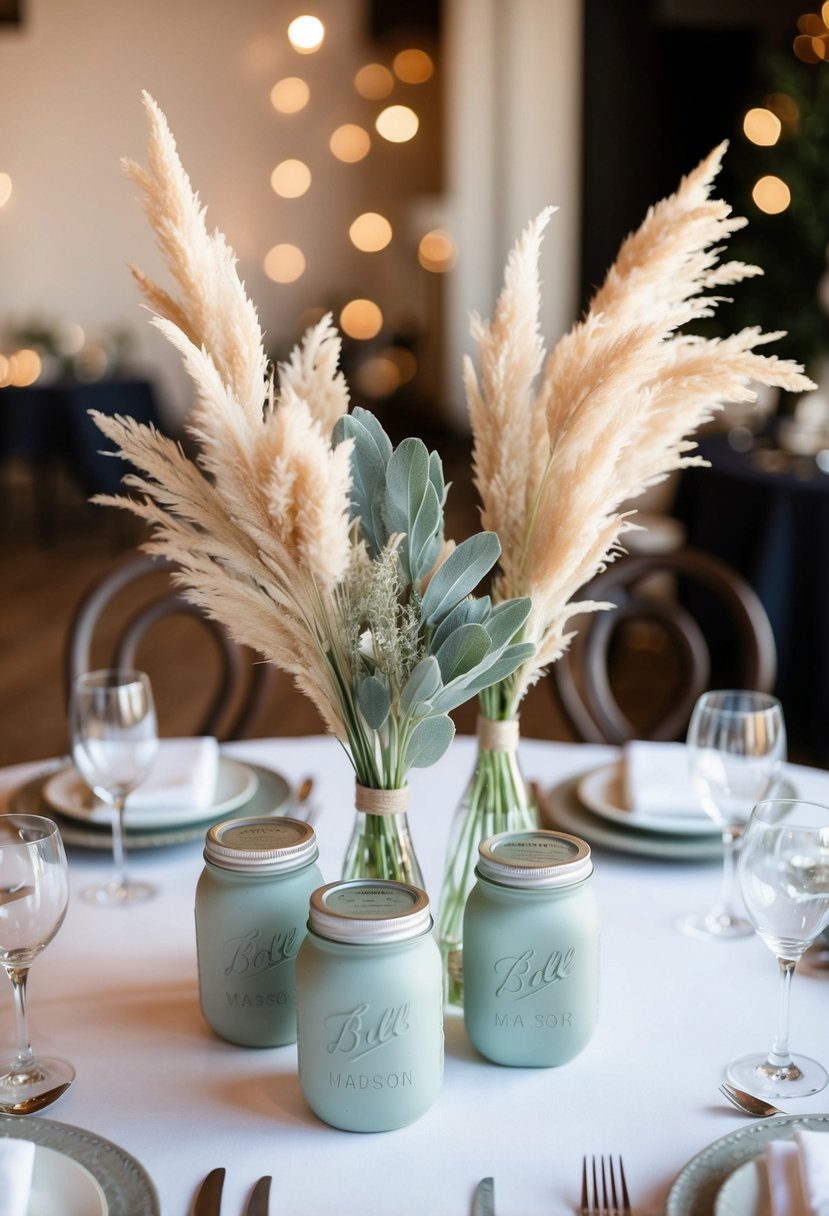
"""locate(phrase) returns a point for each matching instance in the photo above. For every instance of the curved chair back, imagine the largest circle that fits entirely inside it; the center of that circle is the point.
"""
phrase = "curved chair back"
(700, 592)
(237, 693)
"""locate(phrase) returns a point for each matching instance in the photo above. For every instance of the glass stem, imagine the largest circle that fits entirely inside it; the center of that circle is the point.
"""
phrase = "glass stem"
(18, 977)
(118, 851)
(780, 1056)
(730, 840)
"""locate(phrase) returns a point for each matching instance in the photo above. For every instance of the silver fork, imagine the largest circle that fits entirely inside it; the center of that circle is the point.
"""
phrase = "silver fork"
(599, 1195)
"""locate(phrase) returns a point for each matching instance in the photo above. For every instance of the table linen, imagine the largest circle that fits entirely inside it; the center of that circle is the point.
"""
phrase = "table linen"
(116, 992)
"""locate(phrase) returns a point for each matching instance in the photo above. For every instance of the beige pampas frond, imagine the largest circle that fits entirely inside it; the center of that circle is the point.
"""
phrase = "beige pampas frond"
(311, 372)
(613, 410)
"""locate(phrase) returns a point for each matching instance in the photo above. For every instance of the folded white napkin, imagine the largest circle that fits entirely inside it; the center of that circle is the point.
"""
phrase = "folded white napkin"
(813, 1151)
(183, 776)
(17, 1158)
(798, 1174)
(657, 781)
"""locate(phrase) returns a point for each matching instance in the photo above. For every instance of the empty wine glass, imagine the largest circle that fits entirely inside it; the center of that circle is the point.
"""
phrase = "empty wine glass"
(784, 878)
(114, 742)
(34, 890)
(736, 747)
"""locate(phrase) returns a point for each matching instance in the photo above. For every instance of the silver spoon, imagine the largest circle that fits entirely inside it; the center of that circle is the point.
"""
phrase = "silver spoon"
(748, 1103)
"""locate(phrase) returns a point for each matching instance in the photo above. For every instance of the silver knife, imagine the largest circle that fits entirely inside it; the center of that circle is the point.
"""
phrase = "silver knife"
(209, 1198)
(258, 1202)
(484, 1204)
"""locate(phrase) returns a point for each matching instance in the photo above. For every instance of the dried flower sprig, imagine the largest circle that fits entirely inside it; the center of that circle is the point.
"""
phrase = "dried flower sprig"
(299, 526)
(562, 443)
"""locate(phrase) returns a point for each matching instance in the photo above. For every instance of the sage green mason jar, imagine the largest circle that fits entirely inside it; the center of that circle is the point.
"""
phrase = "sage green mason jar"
(370, 1006)
(251, 912)
(531, 949)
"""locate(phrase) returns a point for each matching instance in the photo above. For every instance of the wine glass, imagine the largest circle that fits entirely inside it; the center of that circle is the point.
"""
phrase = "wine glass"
(34, 891)
(736, 746)
(114, 742)
(784, 878)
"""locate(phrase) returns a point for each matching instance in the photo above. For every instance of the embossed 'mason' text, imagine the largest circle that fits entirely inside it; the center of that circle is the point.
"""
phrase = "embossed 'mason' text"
(523, 978)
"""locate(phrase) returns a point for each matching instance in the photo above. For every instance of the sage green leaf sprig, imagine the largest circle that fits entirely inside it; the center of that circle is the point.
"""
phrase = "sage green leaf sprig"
(420, 643)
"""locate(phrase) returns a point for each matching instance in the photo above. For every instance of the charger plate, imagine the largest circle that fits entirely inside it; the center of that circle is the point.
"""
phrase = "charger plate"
(272, 796)
(695, 1191)
(562, 809)
(125, 1183)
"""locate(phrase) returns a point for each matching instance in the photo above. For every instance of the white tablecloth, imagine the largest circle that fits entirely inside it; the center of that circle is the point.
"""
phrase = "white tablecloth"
(116, 992)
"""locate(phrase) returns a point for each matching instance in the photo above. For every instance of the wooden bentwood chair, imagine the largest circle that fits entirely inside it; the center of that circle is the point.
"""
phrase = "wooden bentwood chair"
(678, 615)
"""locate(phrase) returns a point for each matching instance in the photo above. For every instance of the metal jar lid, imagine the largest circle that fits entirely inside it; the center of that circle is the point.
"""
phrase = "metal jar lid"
(369, 911)
(535, 859)
(266, 845)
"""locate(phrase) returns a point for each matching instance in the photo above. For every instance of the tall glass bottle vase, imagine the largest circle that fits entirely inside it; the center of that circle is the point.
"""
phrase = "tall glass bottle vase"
(381, 844)
(496, 799)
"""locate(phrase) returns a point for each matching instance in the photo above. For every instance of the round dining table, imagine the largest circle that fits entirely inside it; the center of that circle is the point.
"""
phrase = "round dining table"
(116, 992)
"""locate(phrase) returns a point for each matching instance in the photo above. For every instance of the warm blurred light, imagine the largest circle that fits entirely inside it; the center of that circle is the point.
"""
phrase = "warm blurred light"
(377, 376)
(373, 81)
(284, 263)
(91, 362)
(436, 251)
(804, 50)
(413, 66)
(771, 194)
(350, 143)
(5, 188)
(762, 127)
(361, 319)
(290, 95)
(291, 178)
(306, 34)
(819, 46)
(786, 109)
(69, 338)
(397, 124)
(811, 24)
(824, 13)
(26, 368)
(403, 360)
(4, 371)
(370, 232)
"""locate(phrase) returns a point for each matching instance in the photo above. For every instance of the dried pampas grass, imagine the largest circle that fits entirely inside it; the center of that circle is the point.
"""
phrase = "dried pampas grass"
(562, 442)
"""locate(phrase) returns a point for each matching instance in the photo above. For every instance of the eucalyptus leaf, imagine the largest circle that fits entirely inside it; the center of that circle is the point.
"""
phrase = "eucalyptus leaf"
(459, 575)
(507, 618)
(375, 430)
(429, 741)
(436, 477)
(462, 651)
(374, 701)
(407, 483)
(476, 681)
(368, 477)
(424, 536)
(422, 684)
(467, 612)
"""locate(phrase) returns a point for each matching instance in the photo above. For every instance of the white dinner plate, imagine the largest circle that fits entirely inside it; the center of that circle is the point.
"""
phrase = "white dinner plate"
(603, 792)
(60, 1184)
(745, 1192)
(697, 1187)
(68, 793)
(562, 809)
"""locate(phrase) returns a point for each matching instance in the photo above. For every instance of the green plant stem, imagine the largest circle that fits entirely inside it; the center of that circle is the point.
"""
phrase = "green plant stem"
(381, 848)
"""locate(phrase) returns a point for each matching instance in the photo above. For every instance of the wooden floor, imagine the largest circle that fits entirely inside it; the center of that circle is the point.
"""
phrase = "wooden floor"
(42, 581)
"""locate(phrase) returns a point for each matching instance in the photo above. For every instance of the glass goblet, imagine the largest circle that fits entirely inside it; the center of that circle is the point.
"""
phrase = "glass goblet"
(784, 878)
(34, 890)
(114, 742)
(736, 746)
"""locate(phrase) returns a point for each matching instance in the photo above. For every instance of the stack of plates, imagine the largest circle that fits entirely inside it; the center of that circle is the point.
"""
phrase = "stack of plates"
(78, 1173)
(729, 1177)
(241, 790)
(594, 807)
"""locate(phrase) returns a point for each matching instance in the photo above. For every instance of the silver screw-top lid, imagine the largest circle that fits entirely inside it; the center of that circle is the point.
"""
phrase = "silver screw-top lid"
(369, 911)
(266, 845)
(535, 859)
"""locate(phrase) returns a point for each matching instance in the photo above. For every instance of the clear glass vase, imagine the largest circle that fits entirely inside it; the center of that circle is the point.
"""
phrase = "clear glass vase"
(381, 844)
(497, 799)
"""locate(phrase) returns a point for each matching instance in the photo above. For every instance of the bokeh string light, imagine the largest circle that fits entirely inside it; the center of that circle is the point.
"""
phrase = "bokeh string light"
(306, 34)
